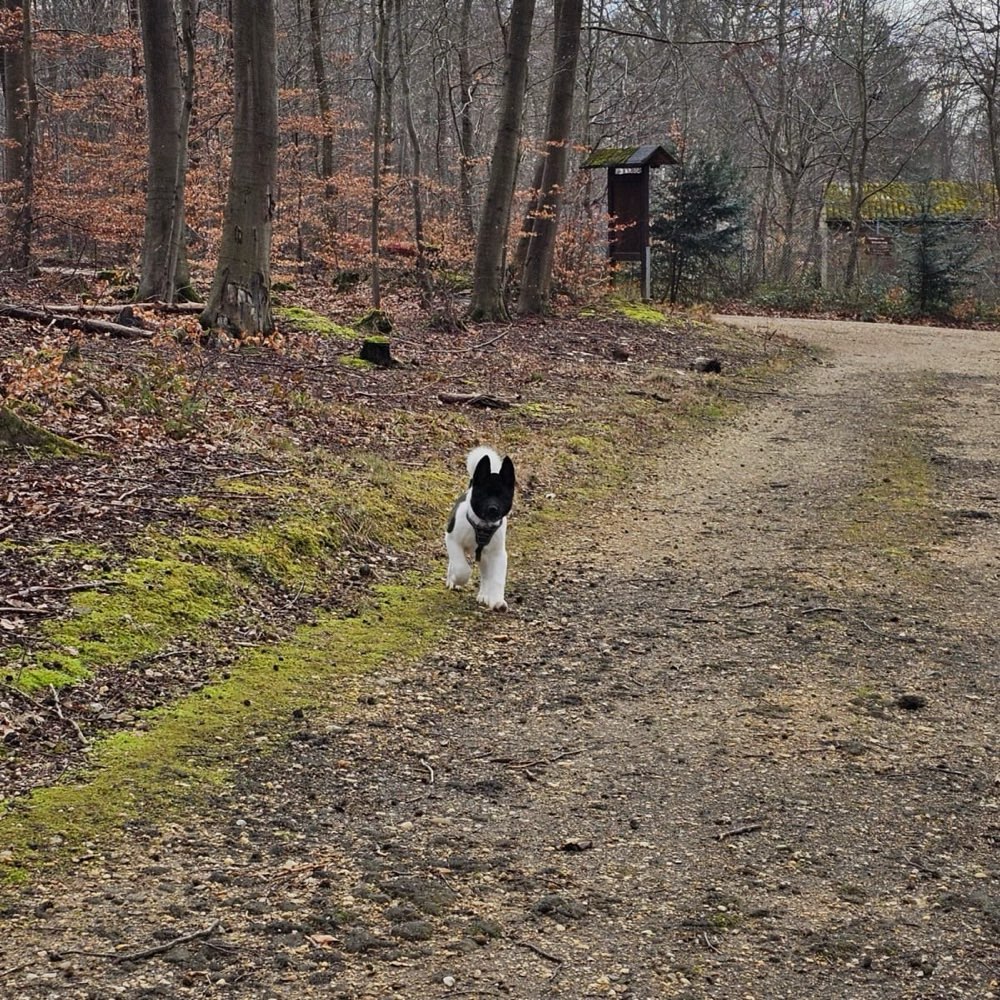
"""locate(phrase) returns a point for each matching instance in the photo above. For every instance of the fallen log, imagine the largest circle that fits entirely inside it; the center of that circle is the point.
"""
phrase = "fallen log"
(482, 400)
(83, 308)
(69, 322)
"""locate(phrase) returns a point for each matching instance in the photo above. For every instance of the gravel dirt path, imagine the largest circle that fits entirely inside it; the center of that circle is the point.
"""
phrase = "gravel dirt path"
(737, 738)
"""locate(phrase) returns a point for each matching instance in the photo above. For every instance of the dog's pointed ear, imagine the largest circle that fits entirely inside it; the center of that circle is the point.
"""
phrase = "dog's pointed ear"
(507, 472)
(483, 470)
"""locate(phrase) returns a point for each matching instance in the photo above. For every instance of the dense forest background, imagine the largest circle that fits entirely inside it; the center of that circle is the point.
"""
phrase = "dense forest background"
(391, 114)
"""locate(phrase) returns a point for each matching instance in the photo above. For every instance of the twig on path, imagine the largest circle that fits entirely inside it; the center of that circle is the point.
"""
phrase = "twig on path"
(739, 831)
(59, 712)
(843, 611)
(255, 472)
(23, 695)
(176, 307)
(64, 321)
(82, 951)
(645, 394)
(13, 609)
(64, 588)
(430, 771)
(398, 394)
(91, 436)
(487, 343)
(540, 952)
(481, 400)
(4, 973)
(526, 765)
(157, 949)
(914, 863)
(709, 941)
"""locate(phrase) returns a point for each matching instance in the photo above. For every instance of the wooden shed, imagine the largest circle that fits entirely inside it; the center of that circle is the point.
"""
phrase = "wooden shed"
(628, 201)
(892, 208)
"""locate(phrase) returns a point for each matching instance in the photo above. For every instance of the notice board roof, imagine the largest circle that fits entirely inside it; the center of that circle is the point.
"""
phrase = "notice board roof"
(630, 156)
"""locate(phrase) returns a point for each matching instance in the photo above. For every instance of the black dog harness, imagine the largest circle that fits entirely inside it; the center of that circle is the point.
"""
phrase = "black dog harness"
(485, 530)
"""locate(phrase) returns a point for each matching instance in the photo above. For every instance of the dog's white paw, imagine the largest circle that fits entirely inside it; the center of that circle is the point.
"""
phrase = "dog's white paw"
(457, 578)
(493, 603)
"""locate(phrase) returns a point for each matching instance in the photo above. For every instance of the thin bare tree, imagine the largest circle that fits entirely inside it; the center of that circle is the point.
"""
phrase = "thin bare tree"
(322, 88)
(379, 72)
(20, 105)
(975, 28)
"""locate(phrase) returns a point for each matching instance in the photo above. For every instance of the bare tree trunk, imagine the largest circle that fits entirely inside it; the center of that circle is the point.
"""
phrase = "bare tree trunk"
(378, 82)
(537, 278)
(322, 88)
(416, 155)
(487, 278)
(465, 130)
(240, 299)
(19, 155)
(858, 176)
(169, 101)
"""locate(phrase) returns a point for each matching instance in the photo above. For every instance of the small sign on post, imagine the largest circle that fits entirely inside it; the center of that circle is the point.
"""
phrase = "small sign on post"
(628, 202)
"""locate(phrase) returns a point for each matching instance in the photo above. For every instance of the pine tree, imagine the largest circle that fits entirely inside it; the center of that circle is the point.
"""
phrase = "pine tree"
(939, 258)
(697, 221)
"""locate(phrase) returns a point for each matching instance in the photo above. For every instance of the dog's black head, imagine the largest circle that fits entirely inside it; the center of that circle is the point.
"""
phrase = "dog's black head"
(492, 492)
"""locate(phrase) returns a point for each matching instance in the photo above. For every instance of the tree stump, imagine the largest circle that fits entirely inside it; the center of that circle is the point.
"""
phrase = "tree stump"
(710, 366)
(376, 350)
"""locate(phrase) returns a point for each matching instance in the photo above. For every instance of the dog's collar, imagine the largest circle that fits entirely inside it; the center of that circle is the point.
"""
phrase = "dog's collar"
(485, 530)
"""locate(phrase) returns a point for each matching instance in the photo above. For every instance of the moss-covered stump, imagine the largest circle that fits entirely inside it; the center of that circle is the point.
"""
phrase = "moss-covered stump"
(17, 433)
(375, 321)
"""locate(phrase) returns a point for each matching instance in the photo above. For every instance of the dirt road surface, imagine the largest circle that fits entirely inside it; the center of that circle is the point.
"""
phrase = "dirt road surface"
(737, 738)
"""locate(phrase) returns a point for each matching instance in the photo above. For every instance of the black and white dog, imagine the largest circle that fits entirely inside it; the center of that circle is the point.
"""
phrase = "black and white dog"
(477, 529)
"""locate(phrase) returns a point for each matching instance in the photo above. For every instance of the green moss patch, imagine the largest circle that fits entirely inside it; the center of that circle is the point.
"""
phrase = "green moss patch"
(295, 551)
(192, 746)
(313, 322)
(153, 601)
(640, 312)
(893, 514)
(189, 584)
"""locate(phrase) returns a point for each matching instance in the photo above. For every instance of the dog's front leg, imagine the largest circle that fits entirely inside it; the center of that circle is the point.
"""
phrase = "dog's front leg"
(459, 569)
(493, 574)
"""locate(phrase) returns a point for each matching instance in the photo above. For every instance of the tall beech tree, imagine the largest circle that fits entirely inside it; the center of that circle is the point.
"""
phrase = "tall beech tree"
(169, 102)
(20, 111)
(543, 224)
(240, 299)
(488, 272)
